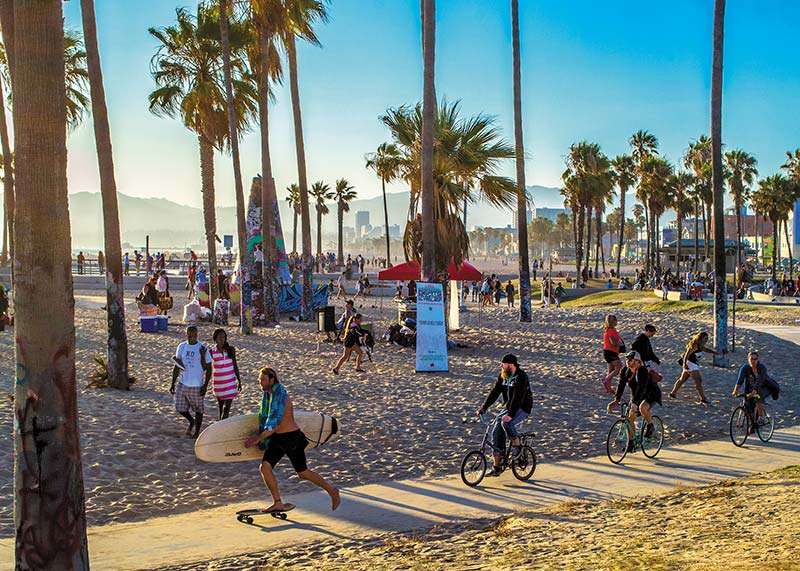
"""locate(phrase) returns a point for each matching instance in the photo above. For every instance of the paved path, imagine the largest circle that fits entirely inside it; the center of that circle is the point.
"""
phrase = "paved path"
(406, 505)
(786, 332)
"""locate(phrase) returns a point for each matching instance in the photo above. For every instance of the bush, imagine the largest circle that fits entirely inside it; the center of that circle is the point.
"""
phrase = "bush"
(98, 378)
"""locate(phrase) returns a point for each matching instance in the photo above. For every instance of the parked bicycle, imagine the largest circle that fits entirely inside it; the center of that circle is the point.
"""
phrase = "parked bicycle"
(743, 422)
(625, 436)
(475, 463)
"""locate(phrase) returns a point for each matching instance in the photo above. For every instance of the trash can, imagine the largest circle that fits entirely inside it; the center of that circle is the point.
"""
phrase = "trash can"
(326, 318)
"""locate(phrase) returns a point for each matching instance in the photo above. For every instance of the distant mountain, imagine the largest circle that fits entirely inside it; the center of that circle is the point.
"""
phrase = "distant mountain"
(171, 225)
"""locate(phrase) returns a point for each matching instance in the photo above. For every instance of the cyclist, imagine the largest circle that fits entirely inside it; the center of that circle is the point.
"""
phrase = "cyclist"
(514, 387)
(754, 382)
(642, 346)
(644, 392)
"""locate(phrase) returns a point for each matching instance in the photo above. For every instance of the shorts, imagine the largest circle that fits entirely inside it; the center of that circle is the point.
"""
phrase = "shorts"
(292, 444)
(189, 398)
(689, 366)
(652, 395)
(610, 356)
(350, 341)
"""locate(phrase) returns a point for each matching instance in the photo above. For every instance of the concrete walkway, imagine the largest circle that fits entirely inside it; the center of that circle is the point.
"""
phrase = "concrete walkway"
(407, 505)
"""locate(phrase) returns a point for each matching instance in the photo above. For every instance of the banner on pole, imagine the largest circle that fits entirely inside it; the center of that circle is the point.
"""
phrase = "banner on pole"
(431, 333)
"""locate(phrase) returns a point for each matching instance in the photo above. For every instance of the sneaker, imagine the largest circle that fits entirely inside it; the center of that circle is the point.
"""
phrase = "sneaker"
(496, 471)
(516, 452)
(672, 395)
(705, 402)
(648, 432)
(762, 421)
(631, 446)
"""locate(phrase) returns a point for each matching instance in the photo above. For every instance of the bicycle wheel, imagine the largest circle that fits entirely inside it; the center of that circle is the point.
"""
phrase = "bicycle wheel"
(524, 465)
(767, 427)
(617, 441)
(651, 445)
(473, 468)
(740, 425)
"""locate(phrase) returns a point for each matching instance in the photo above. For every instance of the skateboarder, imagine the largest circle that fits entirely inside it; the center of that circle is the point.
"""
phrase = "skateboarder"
(280, 435)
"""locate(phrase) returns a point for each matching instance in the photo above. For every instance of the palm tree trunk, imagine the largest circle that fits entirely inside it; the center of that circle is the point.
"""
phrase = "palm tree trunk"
(209, 213)
(599, 244)
(648, 259)
(522, 199)
(49, 509)
(294, 231)
(718, 184)
(775, 246)
(8, 182)
(307, 304)
(117, 341)
(340, 224)
(788, 248)
(576, 242)
(738, 246)
(622, 191)
(588, 237)
(386, 223)
(271, 310)
(241, 220)
(708, 223)
(319, 233)
(428, 110)
(696, 235)
(678, 246)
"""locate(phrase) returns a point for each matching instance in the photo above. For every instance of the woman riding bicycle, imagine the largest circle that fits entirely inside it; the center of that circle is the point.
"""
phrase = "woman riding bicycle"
(644, 392)
(754, 382)
(514, 387)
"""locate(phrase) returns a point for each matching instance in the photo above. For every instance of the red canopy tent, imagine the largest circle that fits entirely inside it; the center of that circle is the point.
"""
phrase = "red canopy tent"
(411, 271)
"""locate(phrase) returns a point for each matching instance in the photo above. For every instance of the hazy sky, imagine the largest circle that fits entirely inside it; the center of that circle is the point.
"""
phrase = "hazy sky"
(590, 70)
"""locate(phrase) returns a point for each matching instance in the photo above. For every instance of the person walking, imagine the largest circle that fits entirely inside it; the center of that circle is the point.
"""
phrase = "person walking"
(279, 436)
(191, 373)
(101, 262)
(227, 383)
(612, 347)
(352, 342)
(691, 368)
(510, 294)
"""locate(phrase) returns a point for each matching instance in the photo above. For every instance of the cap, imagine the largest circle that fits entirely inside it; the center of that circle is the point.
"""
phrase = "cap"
(633, 355)
(510, 359)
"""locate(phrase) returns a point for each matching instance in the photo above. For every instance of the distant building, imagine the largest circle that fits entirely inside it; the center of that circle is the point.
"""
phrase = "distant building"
(362, 223)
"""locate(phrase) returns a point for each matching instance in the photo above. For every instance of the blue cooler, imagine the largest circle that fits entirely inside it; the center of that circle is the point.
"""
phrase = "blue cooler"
(149, 323)
(163, 322)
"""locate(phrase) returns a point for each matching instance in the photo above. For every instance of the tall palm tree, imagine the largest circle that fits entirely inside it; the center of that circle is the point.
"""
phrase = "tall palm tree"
(644, 145)
(625, 176)
(49, 508)
(246, 320)
(342, 194)
(187, 72)
(321, 192)
(76, 77)
(742, 172)
(698, 160)
(299, 19)
(386, 162)
(117, 339)
(562, 223)
(639, 220)
(468, 148)
(522, 194)
(792, 168)
(681, 203)
(429, 220)
(770, 199)
(654, 191)
(718, 185)
(293, 198)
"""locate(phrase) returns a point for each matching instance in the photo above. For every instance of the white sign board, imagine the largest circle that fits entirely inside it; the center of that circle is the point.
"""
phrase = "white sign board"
(431, 334)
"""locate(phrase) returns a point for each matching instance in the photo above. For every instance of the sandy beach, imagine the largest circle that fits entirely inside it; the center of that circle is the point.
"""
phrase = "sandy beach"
(395, 423)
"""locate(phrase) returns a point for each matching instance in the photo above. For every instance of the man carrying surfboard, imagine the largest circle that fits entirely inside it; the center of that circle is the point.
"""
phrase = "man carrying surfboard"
(280, 435)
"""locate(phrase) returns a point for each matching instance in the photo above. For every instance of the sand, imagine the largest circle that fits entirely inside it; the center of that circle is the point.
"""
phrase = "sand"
(395, 423)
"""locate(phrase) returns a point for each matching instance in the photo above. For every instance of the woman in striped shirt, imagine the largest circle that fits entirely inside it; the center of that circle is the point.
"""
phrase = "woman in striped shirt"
(226, 379)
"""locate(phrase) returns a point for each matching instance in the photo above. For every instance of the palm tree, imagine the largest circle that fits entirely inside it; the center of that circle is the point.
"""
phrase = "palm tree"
(792, 168)
(562, 223)
(771, 199)
(386, 162)
(654, 191)
(117, 340)
(465, 149)
(48, 478)
(293, 198)
(682, 203)
(246, 320)
(522, 197)
(300, 16)
(639, 221)
(321, 192)
(742, 172)
(76, 78)
(718, 185)
(343, 194)
(186, 69)
(698, 160)
(625, 176)
(644, 146)
(429, 221)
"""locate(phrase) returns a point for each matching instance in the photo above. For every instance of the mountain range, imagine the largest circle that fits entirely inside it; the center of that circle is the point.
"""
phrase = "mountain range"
(171, 225)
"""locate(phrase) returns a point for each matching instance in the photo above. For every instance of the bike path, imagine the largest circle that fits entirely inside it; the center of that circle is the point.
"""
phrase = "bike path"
(376, 509)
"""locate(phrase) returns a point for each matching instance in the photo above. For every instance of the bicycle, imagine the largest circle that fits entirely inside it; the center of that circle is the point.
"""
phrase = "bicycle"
(474, 464)
(623, 432)
(744, 423)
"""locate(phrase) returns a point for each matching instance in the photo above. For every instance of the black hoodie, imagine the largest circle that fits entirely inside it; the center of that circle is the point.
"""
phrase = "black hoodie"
(516, 393)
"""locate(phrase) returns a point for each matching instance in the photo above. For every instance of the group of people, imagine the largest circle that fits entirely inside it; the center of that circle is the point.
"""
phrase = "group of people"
(197, 365)
(154, 294)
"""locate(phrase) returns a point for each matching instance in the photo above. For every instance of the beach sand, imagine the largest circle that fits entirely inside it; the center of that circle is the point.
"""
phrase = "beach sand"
(394, 423)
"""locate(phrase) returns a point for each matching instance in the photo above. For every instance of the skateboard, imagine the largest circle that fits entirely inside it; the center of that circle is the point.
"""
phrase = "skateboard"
(246, 516)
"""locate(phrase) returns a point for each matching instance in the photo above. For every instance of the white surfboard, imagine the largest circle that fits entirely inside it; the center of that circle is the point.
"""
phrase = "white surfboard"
(223, 441)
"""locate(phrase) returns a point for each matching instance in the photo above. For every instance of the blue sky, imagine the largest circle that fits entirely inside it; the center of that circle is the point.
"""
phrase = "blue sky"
(590, 70)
